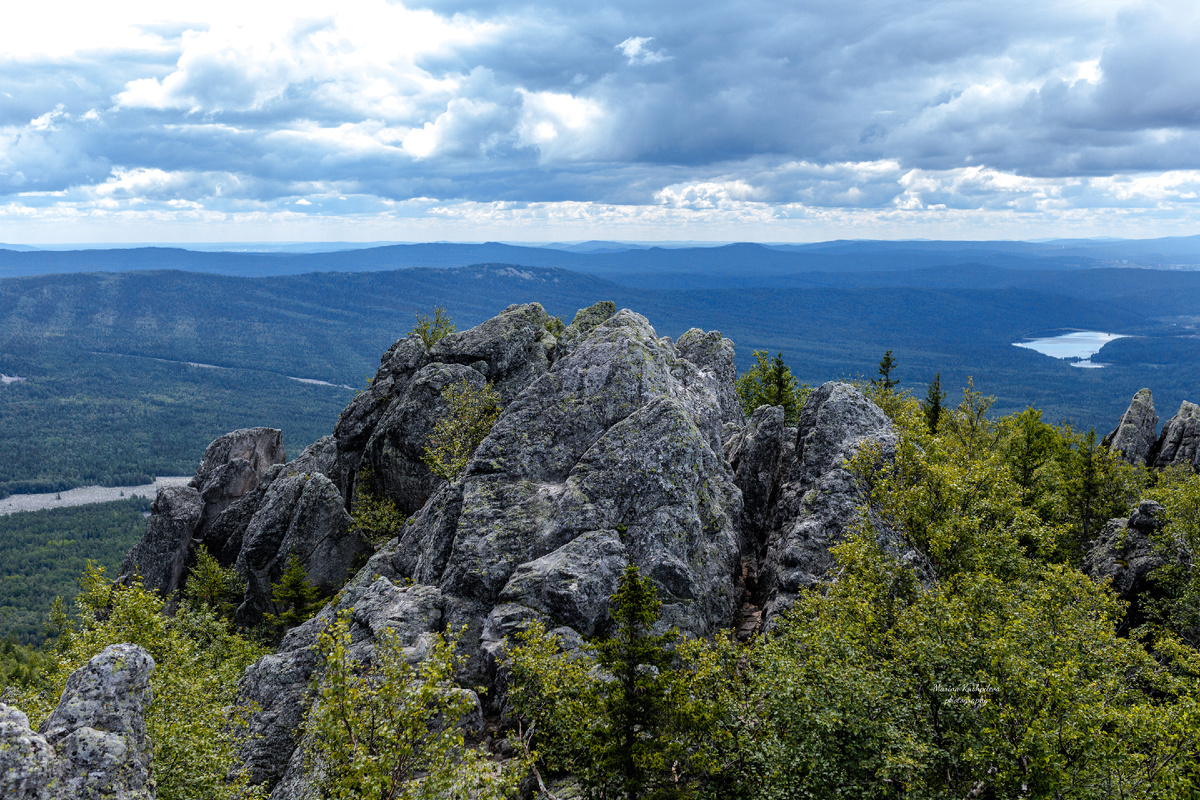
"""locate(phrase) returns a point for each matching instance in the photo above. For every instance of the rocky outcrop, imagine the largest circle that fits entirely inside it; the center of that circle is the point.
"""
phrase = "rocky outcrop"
(1179, 442)
(611, 456)
(614, 447)
(164, 552)
(621, 435)
(1135, 434)
(94, 745)
(818, 497)
(232, 466)
(1124, 553)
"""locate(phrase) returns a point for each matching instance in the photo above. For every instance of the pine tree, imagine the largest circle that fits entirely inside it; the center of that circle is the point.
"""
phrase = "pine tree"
(933, 402)
(885, 380)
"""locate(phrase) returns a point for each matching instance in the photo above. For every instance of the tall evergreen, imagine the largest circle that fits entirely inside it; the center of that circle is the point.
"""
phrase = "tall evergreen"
(933, 402)
(294, 598)
(636, 704)
(885, 380)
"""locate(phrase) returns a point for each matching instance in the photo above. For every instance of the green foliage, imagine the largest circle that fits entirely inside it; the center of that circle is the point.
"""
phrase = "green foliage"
(1177, 604)
(198, 661)
(375, 517)
(637, 715)
(20, 665)
(293, 598)
(42, 554)
(209, 585)
(555, 325)
(390, 730)
(770, 383)
(471, 414)
(433, 330)
(877, 687)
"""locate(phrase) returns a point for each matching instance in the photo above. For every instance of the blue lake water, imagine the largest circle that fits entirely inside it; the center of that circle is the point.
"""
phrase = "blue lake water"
(1077, 344)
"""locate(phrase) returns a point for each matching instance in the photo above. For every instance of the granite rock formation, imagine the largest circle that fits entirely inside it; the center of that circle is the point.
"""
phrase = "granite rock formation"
(615, 446)
(1179, 442)
(94, 745)
(1125, 554)
(1136, 433)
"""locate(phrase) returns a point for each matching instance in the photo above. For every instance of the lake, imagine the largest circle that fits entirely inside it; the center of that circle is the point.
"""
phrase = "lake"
(1077, 344)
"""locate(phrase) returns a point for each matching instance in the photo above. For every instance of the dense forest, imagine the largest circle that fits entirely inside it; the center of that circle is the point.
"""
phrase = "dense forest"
(43, 553)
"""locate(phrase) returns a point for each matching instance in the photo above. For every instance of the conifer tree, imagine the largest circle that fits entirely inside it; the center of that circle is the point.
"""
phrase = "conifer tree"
(770, 383)
(885, 380)
(933, 402)
(636, 704)
(293, 597)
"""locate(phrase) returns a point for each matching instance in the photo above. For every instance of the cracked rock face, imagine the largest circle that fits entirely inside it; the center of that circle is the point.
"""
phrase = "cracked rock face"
(1179, 442)
(94, 745)
(1136, 432)
(1125, 554)
(818, 497)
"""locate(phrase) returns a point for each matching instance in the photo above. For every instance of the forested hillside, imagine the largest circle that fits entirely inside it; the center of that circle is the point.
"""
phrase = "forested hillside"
(43, 553)
(95, 405)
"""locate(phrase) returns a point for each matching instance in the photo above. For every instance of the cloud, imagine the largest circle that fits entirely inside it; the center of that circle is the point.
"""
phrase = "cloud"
(636, 50)
(762, 112)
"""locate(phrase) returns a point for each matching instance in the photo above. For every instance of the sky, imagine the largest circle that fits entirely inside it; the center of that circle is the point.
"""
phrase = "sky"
(138, 121)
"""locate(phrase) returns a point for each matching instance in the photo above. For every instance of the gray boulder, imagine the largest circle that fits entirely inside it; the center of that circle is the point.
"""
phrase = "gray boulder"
(232, 465)
(1136, 432)
(28, 768)
(161, 557)
(818, 498)
(396, 447)
(300, 514)
(756, 456)
(1179, 442)
(511, 349)
(586, 320)
(710, 351)
(94, 745)
(1125, 554)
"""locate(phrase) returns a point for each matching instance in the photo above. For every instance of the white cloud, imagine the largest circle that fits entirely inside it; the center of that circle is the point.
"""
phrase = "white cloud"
(885, 112)
(636, 49)
(562, 127)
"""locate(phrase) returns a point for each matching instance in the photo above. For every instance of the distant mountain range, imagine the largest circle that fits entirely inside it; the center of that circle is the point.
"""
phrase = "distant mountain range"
(728, 266)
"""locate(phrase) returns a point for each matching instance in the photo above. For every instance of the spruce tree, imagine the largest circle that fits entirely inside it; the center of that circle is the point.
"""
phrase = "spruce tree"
(885, 380)
(293, 597)
(635, 705)
(933, 402)
(770, 383)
